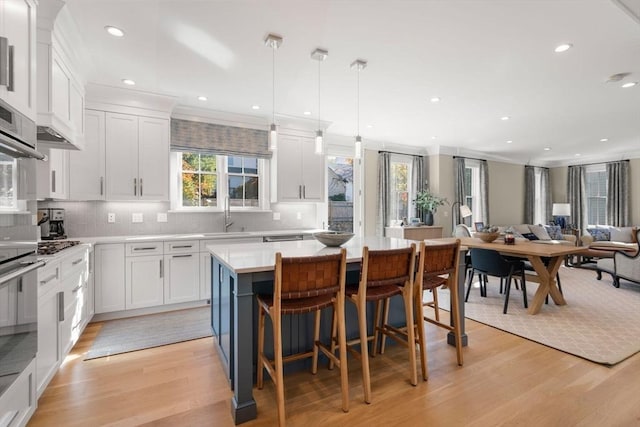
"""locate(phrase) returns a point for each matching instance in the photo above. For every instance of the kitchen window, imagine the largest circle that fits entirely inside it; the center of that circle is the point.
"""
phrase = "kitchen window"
(204, 180)
(472, 191)
(401, 191)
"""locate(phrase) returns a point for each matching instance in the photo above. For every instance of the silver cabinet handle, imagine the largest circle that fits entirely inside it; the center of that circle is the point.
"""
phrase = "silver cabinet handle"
(135, 186)
(10, 86)
(101, 185)
(4, 61)
(161, 269)
(53, 181)
(76, 289)
(182, 256)
(299, 191)
(140, 187)
(60, 306)
(181, 246)
(78, 261)
(146, 248)
(304, 191)
(50, 278)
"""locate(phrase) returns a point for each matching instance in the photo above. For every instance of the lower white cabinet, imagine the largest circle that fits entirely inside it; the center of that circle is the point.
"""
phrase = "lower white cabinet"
(48, 342)
(144, 281)
(109, 278)
(18, 402)
(182, 272)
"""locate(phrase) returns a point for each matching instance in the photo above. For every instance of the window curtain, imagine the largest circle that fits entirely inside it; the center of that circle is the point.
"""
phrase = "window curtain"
(577, 197)
(418, 182)
(384, 182)
(484, 192)
(529, 194)
(460, 196)
(545, 195)
(618, 193)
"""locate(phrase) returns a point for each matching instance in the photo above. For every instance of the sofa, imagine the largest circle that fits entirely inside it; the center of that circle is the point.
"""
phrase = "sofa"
(603, 241)
(623, 265)
(543, 234)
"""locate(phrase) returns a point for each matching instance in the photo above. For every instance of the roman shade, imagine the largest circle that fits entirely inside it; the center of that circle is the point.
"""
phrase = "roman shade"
(193, 136)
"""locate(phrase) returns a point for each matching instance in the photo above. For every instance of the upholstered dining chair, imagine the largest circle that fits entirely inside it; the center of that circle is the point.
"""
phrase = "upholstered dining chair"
(384, 274)
(487, 262)
(303, 285)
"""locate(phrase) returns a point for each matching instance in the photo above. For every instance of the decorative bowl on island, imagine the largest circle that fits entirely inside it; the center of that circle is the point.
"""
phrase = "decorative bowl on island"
(487, 236)
(332, 238)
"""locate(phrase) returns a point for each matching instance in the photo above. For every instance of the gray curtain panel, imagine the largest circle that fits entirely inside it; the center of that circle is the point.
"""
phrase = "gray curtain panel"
(577, 197)
(384, 169)
(545, 194)
(418, 181)
(484, 192)
(618, 193)
(529, 194)
(459, 190)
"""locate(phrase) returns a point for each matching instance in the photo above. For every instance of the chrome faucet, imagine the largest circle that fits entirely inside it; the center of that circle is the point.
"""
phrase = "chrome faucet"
(227, 214)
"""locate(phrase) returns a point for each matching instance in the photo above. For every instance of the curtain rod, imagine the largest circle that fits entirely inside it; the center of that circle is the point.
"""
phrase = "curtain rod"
(470, 158)
(600, 163)
(396, 152)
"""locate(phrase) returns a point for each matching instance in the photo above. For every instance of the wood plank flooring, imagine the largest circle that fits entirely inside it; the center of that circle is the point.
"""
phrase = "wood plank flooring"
(506, 380)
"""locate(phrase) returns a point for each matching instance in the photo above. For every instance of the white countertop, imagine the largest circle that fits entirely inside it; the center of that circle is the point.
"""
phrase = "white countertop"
(250, 258)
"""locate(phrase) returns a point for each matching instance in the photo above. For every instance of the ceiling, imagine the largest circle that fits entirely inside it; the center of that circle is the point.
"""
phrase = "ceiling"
(483, 59)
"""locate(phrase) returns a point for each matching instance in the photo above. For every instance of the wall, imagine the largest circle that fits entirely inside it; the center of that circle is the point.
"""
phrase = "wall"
(506, 193)
(86, 219)
(558, 178)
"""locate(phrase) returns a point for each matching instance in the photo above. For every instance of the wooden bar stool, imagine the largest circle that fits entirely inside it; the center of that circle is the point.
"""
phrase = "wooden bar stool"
(384, 273)
(303, 285)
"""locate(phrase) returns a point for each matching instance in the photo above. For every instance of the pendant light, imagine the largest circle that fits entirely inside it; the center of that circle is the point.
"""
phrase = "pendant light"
(273, 41)
(359, 65)
(319, 55)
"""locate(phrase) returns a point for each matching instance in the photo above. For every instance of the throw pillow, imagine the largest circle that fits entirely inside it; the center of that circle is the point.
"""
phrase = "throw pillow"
(622, 234)
(540, 232)
(599, 234)
(515, 233)
(521, 228)
(555, 232)
(530, 236)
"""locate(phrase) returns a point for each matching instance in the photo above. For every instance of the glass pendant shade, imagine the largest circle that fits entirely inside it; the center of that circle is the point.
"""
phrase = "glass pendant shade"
(318, 147)
(358, 147)
(273, 137)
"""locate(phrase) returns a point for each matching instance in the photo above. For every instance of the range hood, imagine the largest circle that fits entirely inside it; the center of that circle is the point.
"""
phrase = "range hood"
(49, 137)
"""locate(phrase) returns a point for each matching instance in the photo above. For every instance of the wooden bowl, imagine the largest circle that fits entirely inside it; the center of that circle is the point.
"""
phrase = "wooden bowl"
(332, 238)
(487, 237)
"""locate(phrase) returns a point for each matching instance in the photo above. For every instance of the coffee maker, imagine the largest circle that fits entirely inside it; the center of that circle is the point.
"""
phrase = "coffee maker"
(56, 224)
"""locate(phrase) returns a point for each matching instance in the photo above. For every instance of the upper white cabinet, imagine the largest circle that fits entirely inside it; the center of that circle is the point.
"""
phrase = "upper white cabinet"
(300, 172)
(18, 66)
(52, 177)
(137, 157)
(87, 167)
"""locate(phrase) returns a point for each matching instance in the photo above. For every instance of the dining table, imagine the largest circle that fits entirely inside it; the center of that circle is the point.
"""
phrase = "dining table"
(545, 256)
(240, 271)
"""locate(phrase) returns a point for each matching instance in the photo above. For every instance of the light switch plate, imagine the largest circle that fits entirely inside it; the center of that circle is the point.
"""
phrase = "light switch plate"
(136, 217)
(162, 217)
(111, 217)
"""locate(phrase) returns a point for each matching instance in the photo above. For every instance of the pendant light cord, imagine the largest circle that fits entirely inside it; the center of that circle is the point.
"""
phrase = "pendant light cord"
(273, 85)
(319, 94)
(358, 101)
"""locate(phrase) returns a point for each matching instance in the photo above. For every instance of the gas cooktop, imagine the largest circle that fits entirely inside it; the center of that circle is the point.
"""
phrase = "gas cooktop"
(55, 246)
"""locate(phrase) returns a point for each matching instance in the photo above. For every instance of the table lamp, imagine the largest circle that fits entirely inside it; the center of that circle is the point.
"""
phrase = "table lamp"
(560, 212)
(465, 212)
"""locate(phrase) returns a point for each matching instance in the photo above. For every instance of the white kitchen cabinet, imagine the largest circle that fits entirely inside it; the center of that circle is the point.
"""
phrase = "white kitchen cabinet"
(18, 26)
(144, 280)
(300, 172)
(109, 278)
(182, 271)
(49, 354)
(52, 179)
(18, 402)
(137, 157)
(87, 167)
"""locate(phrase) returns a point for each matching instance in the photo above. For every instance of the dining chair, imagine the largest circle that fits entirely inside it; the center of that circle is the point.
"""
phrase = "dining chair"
(384, 274)
(303, 285)
(487, 262)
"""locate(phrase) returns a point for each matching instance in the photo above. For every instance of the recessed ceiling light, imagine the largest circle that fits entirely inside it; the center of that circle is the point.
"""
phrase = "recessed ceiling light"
(307, 113)
(114, 31)
(563, 47)
(578, 154)
(202, 98)
(435, 99)
(547, 148)
(629, 84)
(433, 137)
(604, 139)
(509, 141)
(255, 107)
(128, 82)
(505, 118)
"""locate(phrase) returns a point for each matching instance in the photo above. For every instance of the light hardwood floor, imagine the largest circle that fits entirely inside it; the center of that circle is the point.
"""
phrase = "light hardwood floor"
(506, 380)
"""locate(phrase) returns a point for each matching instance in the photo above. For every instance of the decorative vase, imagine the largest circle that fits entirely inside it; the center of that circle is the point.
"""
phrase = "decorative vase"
(428, 218)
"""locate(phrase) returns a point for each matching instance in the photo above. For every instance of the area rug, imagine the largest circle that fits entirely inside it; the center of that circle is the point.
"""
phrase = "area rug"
(599, 322)
(153, 330)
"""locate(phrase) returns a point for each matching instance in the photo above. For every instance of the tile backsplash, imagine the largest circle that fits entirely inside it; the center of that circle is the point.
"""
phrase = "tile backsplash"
(86, 219)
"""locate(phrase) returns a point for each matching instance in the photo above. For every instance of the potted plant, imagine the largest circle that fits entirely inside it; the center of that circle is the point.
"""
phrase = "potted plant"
(428, 204)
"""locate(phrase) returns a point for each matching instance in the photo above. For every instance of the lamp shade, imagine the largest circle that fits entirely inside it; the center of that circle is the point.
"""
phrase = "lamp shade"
(561, 209)
(465, 211)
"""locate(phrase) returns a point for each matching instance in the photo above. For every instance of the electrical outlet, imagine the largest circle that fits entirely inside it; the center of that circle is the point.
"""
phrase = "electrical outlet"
(136, 217)
(162, 217)
(276, 216)
(111, 218)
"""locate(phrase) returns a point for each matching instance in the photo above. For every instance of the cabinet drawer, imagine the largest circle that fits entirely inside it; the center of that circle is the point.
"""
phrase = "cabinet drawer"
(139, 249)
(48, 278)
(232, 241)
(74, 264)
(181, 247)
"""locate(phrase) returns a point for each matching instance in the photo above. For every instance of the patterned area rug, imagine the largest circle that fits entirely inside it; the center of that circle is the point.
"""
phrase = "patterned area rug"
(153, 330)
(599, 323)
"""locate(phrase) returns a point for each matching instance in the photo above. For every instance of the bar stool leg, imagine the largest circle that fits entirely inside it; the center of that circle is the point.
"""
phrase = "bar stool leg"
(361, 306)
(377, 334)
(407, 296)
(278, 374)
(434, 291)
(455, 312)
(385, 317)
(342, 349)
(419, 314)
(334, 335)
(316, 338)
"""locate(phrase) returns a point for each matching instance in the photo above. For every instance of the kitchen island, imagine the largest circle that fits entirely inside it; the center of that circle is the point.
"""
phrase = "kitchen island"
(240, 271)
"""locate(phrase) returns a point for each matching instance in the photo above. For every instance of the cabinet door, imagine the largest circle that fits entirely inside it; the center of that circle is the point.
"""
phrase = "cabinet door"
(109, 278)
(19, 20)
(313, 167)
(121, 140)
(76, 109)
(182, 278)
(144, 281)
(48, 356)
(205, 275)
(60, 89)
(87, 167)
(289, 168)
(153, 159)
(52, 179)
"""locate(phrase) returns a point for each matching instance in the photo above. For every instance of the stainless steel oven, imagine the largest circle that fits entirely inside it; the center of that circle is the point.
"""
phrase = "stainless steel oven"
(18, 244)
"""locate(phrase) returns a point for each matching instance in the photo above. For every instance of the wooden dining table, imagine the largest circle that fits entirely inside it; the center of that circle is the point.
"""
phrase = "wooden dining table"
(545, 258)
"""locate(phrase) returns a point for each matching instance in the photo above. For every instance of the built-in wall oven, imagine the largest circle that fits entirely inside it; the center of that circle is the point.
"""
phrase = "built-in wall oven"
(18, 244)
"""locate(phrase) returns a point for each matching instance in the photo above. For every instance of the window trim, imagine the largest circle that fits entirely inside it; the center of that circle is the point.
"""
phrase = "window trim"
(590, 169)
(408, 160)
